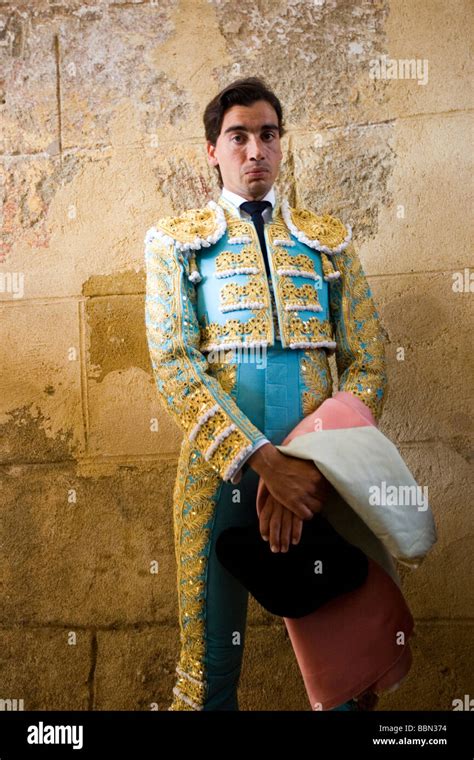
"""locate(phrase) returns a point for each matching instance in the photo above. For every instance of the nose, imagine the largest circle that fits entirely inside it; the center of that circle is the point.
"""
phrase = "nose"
(255, 148)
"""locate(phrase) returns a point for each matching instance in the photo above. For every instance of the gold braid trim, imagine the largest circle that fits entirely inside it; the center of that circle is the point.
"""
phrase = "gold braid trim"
(194, 500)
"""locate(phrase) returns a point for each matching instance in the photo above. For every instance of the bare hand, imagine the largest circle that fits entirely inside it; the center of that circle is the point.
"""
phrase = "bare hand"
(296, 483)
(279, 525)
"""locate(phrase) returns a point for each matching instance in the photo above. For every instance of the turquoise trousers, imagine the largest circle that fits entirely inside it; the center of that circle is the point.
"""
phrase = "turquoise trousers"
(271, 391)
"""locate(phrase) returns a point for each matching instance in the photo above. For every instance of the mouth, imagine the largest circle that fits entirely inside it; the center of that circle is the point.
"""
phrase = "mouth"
(256, 172)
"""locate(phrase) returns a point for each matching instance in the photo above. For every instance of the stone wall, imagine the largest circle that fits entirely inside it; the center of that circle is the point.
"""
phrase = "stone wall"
(101, 134)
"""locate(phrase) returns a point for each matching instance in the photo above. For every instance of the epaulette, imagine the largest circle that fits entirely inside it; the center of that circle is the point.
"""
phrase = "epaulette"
(324, 233)
(193, 229)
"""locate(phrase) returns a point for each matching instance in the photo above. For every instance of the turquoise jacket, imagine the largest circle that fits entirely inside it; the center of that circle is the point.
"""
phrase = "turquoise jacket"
(208, 298)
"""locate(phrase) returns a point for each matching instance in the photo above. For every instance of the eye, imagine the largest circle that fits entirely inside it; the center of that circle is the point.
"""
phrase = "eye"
(234, 137)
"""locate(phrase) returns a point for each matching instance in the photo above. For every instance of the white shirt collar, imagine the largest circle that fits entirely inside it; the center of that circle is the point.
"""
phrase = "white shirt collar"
(236, 200)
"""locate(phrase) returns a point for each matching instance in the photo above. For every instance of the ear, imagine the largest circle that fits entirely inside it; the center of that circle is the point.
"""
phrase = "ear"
(211, 153)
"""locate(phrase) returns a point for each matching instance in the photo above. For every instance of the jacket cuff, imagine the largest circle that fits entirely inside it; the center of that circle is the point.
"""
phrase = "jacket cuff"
(244, 466)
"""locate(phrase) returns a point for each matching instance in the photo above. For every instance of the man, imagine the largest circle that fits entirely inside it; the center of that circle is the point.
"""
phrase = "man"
(247, 274)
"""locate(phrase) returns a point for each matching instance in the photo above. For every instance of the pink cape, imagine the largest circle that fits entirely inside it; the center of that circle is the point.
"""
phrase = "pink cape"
(358, 641)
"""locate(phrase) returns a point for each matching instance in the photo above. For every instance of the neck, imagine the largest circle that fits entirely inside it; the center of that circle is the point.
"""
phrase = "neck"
(248, 196)
(234, 211)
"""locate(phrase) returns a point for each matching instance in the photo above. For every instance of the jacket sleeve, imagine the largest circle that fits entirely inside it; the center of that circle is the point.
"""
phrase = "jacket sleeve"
(207, 415)
(360, 338)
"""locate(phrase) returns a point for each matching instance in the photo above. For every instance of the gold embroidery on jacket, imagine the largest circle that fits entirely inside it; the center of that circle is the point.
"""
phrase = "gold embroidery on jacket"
(299, 265)
(250, 295)
(328, 230)
(277, 230)
(244, 261)
(225, 372)
(302, 297)
(312, 330)
(234, 334)
(214, 427)
(360, 356)
(316, 378)
(329, 269)
(237, 228)
(190, 224)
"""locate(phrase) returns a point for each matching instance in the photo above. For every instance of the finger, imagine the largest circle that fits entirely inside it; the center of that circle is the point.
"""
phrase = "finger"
(305, 512)
(294, 503)
(298, 506)
(303, 505)
(313, 504)
(286, 529)
(264, 519)
(275, 526)
(301, 510)
(297, 530)
(262, 495)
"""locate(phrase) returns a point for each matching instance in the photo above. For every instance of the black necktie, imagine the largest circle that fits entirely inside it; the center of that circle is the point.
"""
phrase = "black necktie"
(255, 209)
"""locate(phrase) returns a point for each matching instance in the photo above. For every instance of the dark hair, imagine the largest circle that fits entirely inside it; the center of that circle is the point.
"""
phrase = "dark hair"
(241, 92)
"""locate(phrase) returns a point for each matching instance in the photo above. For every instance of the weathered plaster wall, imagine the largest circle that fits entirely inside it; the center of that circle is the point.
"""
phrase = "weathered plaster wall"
(101, 107)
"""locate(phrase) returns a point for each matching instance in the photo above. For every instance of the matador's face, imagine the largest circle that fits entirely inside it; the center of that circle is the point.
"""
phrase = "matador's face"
(248, 150)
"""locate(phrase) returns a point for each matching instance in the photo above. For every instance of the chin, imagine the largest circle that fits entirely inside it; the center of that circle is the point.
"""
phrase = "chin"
(263, 182)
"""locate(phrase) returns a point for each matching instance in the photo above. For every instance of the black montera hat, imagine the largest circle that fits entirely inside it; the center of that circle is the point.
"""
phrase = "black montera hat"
(292, 584)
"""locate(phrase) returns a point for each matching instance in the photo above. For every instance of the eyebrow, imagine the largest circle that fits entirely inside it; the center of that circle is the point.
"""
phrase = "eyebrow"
(241, 128)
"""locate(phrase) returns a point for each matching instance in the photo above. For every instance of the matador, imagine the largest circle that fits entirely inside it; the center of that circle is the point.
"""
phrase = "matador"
(247, 298)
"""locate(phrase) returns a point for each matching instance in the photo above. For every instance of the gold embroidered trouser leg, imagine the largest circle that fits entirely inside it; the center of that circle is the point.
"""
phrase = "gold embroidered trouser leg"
(213, 604)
